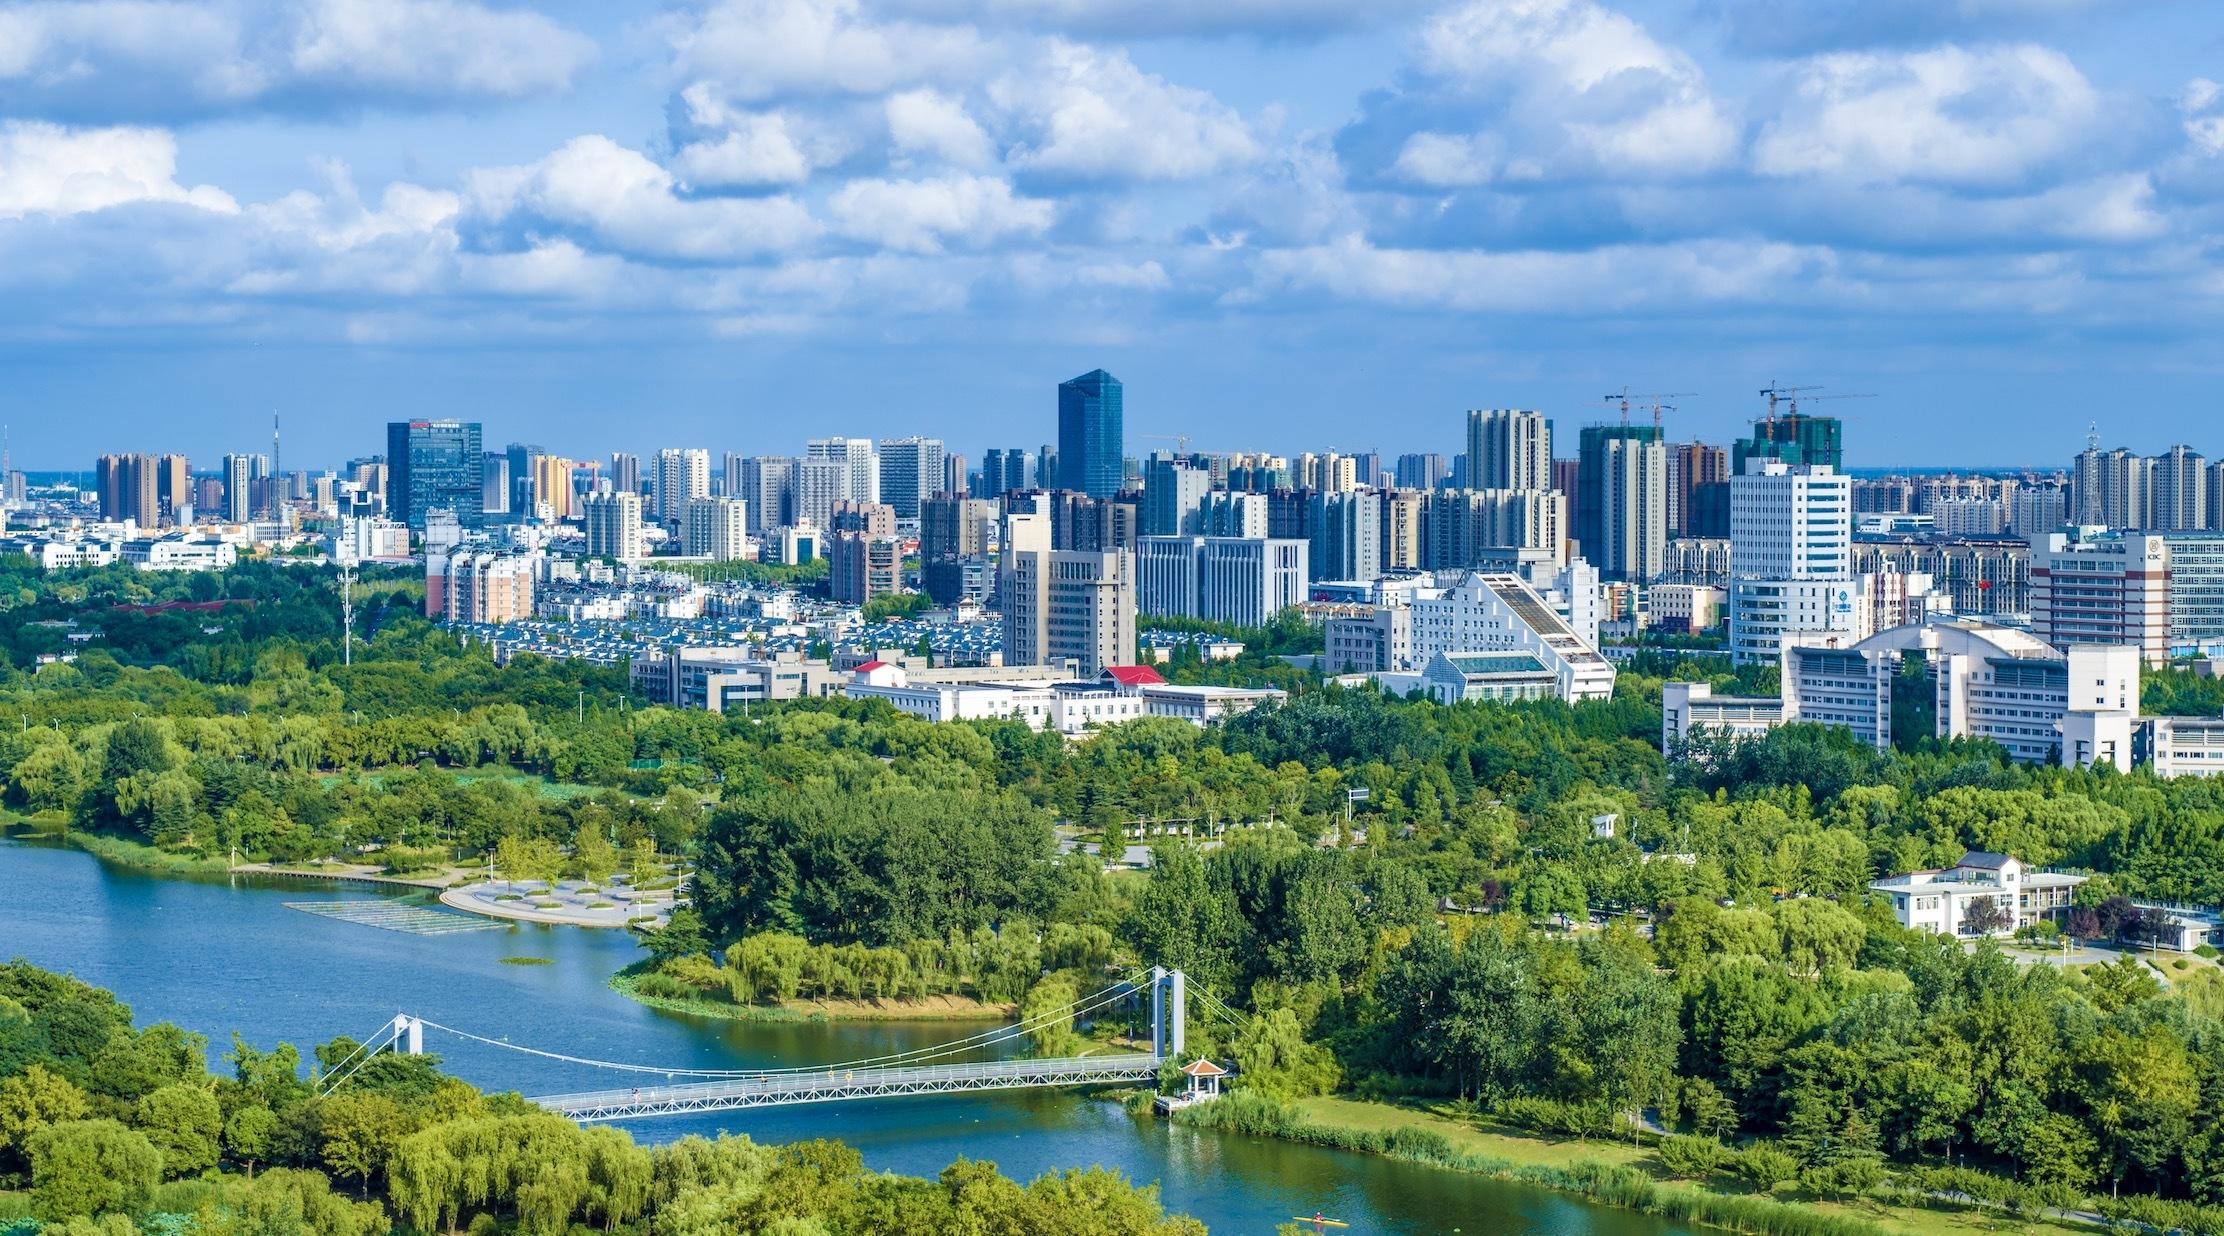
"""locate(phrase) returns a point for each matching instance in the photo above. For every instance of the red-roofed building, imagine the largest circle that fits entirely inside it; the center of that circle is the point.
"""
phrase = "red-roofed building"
(877, 674)
(1133, 676)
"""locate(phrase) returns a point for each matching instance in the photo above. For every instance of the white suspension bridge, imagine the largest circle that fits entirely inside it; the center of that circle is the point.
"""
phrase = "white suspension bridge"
(924, 1070)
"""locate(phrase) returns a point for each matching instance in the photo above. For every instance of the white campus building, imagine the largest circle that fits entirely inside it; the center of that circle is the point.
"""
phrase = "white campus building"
(1499, 613)
(1121, 693)
(1940, 901)
(2079, 708)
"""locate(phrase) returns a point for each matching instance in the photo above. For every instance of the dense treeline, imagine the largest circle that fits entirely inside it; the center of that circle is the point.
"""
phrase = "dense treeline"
(111, 1128)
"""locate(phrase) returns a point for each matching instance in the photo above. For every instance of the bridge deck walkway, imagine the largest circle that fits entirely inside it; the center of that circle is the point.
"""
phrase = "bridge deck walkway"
(780, 1089)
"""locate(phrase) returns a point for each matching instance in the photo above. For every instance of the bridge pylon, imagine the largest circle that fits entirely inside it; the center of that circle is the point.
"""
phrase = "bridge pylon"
(1169, 1008)
(406, 1035)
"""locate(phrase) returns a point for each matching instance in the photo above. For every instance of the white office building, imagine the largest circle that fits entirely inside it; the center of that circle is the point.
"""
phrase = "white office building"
(1791, 557)
(1063, 605)
(1239, 580)
(1501, 613)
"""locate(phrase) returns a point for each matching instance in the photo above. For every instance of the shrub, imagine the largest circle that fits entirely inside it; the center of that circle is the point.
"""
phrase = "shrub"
(1765, 1166)
(1693, 1157)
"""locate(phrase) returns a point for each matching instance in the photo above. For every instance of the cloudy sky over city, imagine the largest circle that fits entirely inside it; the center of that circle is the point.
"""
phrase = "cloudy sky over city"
(1286, 224)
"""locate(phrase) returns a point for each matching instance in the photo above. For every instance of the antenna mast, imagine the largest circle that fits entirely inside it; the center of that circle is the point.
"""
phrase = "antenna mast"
(343, 552)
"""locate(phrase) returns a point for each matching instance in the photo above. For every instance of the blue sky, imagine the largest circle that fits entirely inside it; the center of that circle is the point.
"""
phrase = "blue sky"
(1286, 224)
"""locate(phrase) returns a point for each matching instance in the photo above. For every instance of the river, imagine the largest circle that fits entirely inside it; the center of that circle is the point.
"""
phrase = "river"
(216, 956)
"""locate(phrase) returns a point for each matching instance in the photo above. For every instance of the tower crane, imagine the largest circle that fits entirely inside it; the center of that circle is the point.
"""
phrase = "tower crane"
(1180, 440)
(1777, 391)
(1658, 402)
(1791, 412)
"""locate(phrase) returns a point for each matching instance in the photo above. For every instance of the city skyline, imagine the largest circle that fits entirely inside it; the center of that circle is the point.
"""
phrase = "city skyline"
(1283, 220)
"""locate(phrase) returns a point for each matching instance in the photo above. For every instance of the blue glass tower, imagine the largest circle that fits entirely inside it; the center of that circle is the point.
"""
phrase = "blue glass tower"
(434, 465)
(1092, 438)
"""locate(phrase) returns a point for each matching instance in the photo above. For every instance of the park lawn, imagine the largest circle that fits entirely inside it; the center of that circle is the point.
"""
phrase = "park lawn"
(559, 791)
(1542, 1150)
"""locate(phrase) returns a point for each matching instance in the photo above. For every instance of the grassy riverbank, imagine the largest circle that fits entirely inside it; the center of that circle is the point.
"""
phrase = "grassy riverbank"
(1613, 1173)
(932, 1008)
(117, 851)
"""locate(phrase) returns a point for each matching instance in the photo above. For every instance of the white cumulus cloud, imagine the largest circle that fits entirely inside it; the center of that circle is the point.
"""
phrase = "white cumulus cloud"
(760, 49)
(46, 169)
(116, 57)
(931, 124)
(1947, 115)
(1088, 113)
(920, 216)
(1579, 83)
(627, 202)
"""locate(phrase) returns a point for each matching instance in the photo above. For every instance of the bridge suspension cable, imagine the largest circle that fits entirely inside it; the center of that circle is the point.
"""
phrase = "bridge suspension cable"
(1100, 998)
(353, 1062)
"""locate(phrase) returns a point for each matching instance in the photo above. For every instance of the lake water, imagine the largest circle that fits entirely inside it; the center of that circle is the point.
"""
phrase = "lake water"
(217, 956)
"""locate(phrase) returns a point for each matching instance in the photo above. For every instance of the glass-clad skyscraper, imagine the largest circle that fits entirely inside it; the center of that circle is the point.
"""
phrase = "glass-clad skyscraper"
(434, 465)
(1091, 434)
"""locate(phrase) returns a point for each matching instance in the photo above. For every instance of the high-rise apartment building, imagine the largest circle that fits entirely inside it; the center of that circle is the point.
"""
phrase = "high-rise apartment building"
(1064, 604)
(1003, 470)
(613, 523)
(910, 473)
(1235, 514)
(860, 465)
(1458, 526)
(717, 529)
(479, 588)
(1092, 434)
(768, 486)
(2111, 488)
(816, 485)
(955, 526)
(239, 492)
(1698, 490)
(174, 487)
(1330, 473)
(524, 479)
(863, 565)
(1174, 492)
(494, 483)
(2180, 486)
(434, 465)
(956, 478)
(1508, 449)
(625, 472)
(2042, 508)
(1347, 535)
(1402, 523)
(1621, 516)
(682, 475)
(130, 489)
(1422, 471)
(552, 485)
